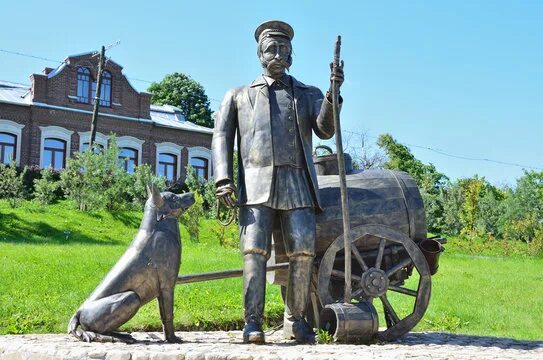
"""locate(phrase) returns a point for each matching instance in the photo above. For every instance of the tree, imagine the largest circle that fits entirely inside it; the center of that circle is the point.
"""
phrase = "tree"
(182, 91)
(430, 181)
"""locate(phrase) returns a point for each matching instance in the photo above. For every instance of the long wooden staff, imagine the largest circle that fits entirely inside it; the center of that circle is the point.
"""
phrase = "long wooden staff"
(342, 178)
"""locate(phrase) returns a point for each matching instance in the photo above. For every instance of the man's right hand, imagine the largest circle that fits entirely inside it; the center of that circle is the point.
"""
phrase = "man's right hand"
(225, 194)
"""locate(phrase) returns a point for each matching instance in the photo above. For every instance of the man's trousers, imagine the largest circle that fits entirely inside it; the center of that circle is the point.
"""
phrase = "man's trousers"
(256, 225)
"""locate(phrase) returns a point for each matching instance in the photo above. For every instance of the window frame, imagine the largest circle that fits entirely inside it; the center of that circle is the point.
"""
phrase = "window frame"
(165, 165)
(13, 128)
(54, 151)
(3, 146)
(205, 168)
(124, 160)
(58, 133)
(83, 71)
(106, 87)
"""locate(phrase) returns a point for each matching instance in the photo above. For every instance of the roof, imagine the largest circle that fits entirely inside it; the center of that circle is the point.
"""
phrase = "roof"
(170, 116)
(161, 115)
(14, 93)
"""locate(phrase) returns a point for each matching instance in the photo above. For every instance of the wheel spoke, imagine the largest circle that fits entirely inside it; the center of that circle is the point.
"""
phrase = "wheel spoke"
(341, 274)
(359, 258)
(380, 254)
(357, 293)
(393, 270)
(403, 290)
(389, 310)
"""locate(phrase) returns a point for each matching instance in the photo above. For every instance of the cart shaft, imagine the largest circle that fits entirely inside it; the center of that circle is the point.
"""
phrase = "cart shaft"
(216, 275)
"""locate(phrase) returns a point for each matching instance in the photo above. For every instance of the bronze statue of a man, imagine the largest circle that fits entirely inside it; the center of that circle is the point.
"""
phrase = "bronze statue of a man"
(274, 118)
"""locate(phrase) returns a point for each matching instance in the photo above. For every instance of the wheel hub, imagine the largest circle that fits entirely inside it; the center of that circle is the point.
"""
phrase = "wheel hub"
(374, 282)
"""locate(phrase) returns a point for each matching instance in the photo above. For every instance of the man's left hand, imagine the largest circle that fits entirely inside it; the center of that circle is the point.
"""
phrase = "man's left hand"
(336, 74)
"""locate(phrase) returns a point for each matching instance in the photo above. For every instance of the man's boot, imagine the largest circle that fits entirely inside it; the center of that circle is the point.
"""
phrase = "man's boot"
(254, 287)
(300, 268)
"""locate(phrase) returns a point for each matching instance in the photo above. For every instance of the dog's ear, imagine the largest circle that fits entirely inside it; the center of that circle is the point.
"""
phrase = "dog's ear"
(154, 195)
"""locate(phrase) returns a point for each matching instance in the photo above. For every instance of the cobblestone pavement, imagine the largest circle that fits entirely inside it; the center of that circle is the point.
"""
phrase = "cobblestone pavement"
(227, 345)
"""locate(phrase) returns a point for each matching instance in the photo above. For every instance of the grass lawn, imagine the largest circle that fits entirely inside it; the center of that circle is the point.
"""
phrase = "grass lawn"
(52, 258)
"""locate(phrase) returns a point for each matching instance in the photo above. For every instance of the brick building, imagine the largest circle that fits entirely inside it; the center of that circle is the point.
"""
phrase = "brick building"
(45, 122)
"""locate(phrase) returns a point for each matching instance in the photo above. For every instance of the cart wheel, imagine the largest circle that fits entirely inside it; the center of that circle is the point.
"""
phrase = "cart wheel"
(375, 273)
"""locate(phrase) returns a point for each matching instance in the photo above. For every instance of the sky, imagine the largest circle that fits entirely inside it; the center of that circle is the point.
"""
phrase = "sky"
(463, 78)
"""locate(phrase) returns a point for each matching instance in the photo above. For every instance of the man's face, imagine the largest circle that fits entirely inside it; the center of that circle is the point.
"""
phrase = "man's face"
(275, 55)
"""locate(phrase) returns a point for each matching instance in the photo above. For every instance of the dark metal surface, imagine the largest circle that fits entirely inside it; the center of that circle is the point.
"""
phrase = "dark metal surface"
(147, 270)
(273, 119)
(350, 323)
(375, 197)
(217, 275)
(394, 268)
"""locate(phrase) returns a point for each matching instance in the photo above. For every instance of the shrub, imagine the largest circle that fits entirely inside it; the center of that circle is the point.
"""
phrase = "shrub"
(228, 235)
(143, 176)
(45, 187)
(94, 180)
(452, 199)
(11, 183)
(192, 217)
(210, 200)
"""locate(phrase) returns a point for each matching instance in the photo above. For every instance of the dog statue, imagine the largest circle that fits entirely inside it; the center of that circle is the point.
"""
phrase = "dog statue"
(147, 270)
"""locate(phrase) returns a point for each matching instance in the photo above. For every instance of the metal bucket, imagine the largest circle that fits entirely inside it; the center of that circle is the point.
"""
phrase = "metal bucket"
(350, 323)
(431, 249)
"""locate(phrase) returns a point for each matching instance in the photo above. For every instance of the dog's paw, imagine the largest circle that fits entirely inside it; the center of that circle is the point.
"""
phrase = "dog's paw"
(86, 336)
(173, 339)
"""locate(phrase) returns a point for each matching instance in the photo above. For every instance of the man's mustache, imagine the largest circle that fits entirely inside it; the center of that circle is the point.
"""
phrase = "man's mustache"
(281, 62)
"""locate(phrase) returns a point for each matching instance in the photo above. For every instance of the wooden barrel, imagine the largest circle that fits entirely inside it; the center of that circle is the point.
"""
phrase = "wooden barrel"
(384, 197)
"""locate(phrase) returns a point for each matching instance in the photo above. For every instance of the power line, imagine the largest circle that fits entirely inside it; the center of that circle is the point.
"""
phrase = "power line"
(29, 56)
(463, 157)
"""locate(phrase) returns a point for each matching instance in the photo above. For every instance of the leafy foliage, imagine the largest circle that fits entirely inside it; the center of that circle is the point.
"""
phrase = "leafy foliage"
(11, 183)
(187, 94)
(94, 180)
(45, 188)
(143, 176)
(192, 217)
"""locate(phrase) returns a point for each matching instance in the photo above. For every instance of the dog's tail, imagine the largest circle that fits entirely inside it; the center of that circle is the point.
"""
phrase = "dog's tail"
(74, 323)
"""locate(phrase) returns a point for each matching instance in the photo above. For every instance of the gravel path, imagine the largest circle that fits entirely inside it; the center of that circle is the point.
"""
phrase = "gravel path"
(227, 345)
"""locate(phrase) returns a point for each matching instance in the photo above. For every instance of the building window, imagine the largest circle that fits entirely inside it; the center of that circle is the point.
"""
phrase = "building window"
(200, 165)
(105, 91)
(8, 146)
(167, 166)
(86, 89)
(83, 88)
(54, 153)
(128, 159)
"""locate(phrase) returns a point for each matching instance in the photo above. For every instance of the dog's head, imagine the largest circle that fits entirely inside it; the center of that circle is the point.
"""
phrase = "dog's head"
(168, 204)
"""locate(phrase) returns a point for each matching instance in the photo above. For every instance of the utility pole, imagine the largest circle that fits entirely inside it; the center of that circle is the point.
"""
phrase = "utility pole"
(97, 96)
(101, 65)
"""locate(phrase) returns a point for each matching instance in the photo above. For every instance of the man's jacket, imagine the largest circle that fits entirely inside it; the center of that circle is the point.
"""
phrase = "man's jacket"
(245, 112)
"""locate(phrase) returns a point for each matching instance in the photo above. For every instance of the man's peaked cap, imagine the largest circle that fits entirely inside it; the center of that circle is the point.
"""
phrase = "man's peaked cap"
(274, 27)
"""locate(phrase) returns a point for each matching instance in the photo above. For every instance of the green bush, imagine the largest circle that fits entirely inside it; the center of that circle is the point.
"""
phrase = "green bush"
(143, 176)
(94, 180)
(228, 236)
(192, 217)
(45, 187)
(11, 183)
